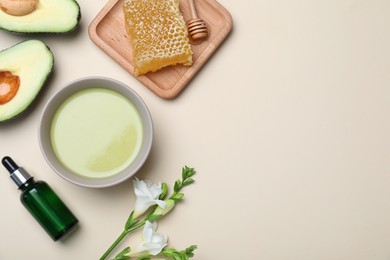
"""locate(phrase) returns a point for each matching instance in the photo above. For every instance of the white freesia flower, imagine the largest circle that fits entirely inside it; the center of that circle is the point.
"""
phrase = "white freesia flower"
(147, 195)
(153, 243)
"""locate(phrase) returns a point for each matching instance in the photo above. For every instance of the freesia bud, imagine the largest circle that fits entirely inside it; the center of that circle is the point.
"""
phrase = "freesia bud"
(164, 188)
(159, 212)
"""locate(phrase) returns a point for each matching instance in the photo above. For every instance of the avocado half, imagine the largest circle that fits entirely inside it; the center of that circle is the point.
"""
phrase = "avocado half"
(49, 16)
(24, 68)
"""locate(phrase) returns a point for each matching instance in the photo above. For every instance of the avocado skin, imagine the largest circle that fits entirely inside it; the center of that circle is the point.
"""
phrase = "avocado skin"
(40, 89)
(52, 33)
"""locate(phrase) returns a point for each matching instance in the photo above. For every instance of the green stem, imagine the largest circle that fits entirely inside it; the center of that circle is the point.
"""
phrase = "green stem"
(136, 226)
(120, 238)
(117, 241)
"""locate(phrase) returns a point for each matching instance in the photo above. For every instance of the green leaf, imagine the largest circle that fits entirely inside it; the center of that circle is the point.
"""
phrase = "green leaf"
(146, 257)
(125, 257)
(122, 255)
(179, 255)
(164, 192)
(188, 181)
(189, 172)
(183, 173)
(129, 221)
(190, 250)
(177, 186)
(177, 197)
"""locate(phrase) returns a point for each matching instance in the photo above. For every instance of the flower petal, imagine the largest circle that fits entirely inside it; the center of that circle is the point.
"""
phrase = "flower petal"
(161, 203)
(148, 232)
(147, 195)
(153, 242)
(155, 249)
(159, 238)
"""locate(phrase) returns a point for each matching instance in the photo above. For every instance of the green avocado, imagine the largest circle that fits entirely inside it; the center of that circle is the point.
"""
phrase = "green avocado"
(47, 16)
(24, 68)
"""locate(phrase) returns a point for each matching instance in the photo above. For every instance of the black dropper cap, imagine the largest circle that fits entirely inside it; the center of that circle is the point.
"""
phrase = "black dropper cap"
(9, 164)
(18, 174)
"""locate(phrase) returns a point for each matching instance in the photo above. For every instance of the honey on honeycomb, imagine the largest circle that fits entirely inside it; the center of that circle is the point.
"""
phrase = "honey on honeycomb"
(158, 34)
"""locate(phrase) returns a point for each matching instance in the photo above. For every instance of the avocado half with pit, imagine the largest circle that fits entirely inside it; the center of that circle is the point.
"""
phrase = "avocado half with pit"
(39, 16)
(24, 68)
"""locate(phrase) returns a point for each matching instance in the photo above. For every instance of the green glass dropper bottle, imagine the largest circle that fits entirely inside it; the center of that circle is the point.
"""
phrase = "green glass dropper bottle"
(41, 201)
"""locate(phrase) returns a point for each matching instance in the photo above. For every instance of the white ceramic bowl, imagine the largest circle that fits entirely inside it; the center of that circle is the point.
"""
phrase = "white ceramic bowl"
(78, 85)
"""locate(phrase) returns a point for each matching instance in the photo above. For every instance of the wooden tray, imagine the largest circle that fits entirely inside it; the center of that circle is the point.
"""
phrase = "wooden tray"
(108, 32)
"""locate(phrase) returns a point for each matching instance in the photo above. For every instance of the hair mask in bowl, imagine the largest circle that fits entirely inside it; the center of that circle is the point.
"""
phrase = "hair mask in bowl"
(96, 133)
(115, 132)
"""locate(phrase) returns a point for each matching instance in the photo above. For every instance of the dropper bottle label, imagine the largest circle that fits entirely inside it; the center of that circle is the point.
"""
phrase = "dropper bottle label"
(41, 201)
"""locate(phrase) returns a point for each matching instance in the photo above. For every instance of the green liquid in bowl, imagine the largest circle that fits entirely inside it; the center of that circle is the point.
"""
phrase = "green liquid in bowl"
(96, 133)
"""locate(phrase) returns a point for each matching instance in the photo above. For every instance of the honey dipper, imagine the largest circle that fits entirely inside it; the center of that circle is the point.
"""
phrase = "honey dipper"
(197, 28)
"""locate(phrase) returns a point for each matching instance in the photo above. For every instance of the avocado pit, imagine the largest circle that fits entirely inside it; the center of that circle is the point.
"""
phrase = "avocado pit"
(9, 86)
(18, 7)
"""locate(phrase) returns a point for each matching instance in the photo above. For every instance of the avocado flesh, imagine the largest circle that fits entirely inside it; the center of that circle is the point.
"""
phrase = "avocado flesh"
(33, 62)
(51, 16)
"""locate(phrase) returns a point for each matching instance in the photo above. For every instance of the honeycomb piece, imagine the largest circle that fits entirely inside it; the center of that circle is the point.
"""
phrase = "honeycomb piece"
(158, 34)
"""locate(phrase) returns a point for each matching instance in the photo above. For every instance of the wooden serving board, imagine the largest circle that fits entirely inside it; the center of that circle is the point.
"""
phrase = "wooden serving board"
(108, 32)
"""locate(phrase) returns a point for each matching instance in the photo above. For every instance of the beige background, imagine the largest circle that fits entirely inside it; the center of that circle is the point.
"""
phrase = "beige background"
(287, 125)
